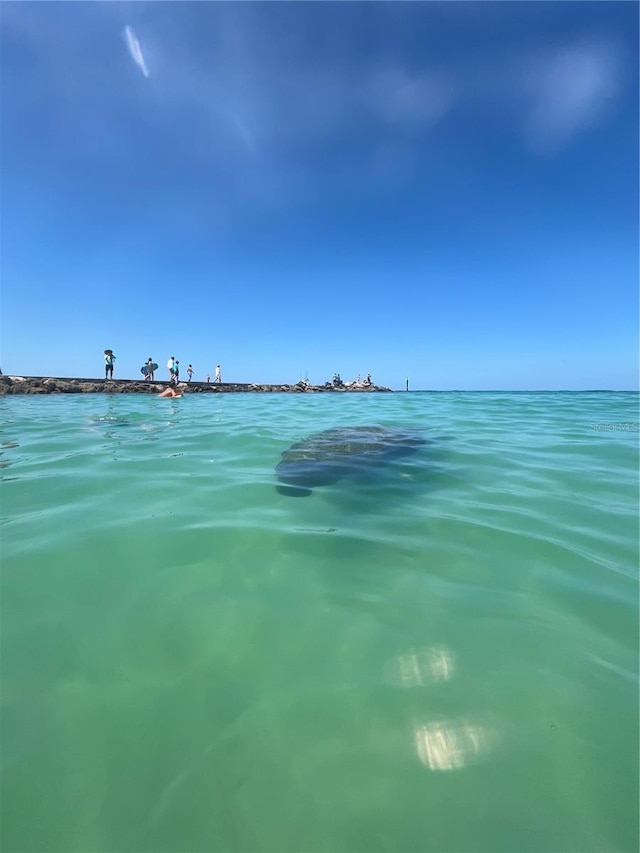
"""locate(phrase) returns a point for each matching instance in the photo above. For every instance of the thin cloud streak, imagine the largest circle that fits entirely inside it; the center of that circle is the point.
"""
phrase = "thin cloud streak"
(244, 133)
(133, 46)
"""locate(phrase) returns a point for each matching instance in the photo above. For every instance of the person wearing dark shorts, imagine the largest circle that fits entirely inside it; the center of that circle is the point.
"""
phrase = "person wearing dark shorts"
(109, 358)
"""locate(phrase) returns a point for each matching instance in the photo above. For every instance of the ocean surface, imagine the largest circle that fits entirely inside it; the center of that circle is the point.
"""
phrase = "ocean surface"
(439, 653)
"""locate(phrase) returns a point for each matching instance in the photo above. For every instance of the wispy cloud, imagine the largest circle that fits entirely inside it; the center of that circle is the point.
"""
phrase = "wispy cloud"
(133, 46)
(569, 90)
(410, 100)
(244, 133)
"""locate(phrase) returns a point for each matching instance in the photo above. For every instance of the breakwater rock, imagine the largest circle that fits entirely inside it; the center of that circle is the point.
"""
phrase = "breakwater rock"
(53, 385)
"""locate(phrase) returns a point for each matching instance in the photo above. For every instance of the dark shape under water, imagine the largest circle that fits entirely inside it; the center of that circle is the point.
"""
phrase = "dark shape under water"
(329, 456)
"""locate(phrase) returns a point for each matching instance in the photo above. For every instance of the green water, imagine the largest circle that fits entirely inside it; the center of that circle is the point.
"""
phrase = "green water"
(440, 654)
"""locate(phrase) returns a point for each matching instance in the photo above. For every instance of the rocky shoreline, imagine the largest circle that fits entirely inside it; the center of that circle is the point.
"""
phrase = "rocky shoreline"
(53, 385)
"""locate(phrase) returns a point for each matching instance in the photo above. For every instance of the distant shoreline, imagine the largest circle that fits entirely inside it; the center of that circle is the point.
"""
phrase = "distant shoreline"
(13, 384)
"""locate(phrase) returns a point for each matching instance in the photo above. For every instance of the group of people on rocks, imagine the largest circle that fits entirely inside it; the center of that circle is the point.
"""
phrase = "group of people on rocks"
(359, 383)
(173, 366)
(149, 368)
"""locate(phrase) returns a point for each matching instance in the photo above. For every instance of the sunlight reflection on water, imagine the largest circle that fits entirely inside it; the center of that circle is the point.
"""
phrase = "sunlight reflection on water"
(447, 745)
(419, 667)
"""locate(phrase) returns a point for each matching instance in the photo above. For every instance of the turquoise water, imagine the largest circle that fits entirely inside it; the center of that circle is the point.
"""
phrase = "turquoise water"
(440, 654)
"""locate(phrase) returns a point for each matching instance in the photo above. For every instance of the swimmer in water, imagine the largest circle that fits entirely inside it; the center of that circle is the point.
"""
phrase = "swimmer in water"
(170, 392)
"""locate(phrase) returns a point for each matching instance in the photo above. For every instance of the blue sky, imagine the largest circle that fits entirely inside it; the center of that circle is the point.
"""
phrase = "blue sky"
(446, 191)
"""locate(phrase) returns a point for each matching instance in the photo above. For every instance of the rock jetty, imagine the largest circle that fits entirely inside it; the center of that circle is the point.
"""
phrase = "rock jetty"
(53, 385)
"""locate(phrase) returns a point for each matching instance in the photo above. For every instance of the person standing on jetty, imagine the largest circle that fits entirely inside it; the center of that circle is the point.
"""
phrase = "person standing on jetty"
(109, 358)
(150, 369)
(189, 373)
(170, 364)
(176, 371)
(218, 376)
